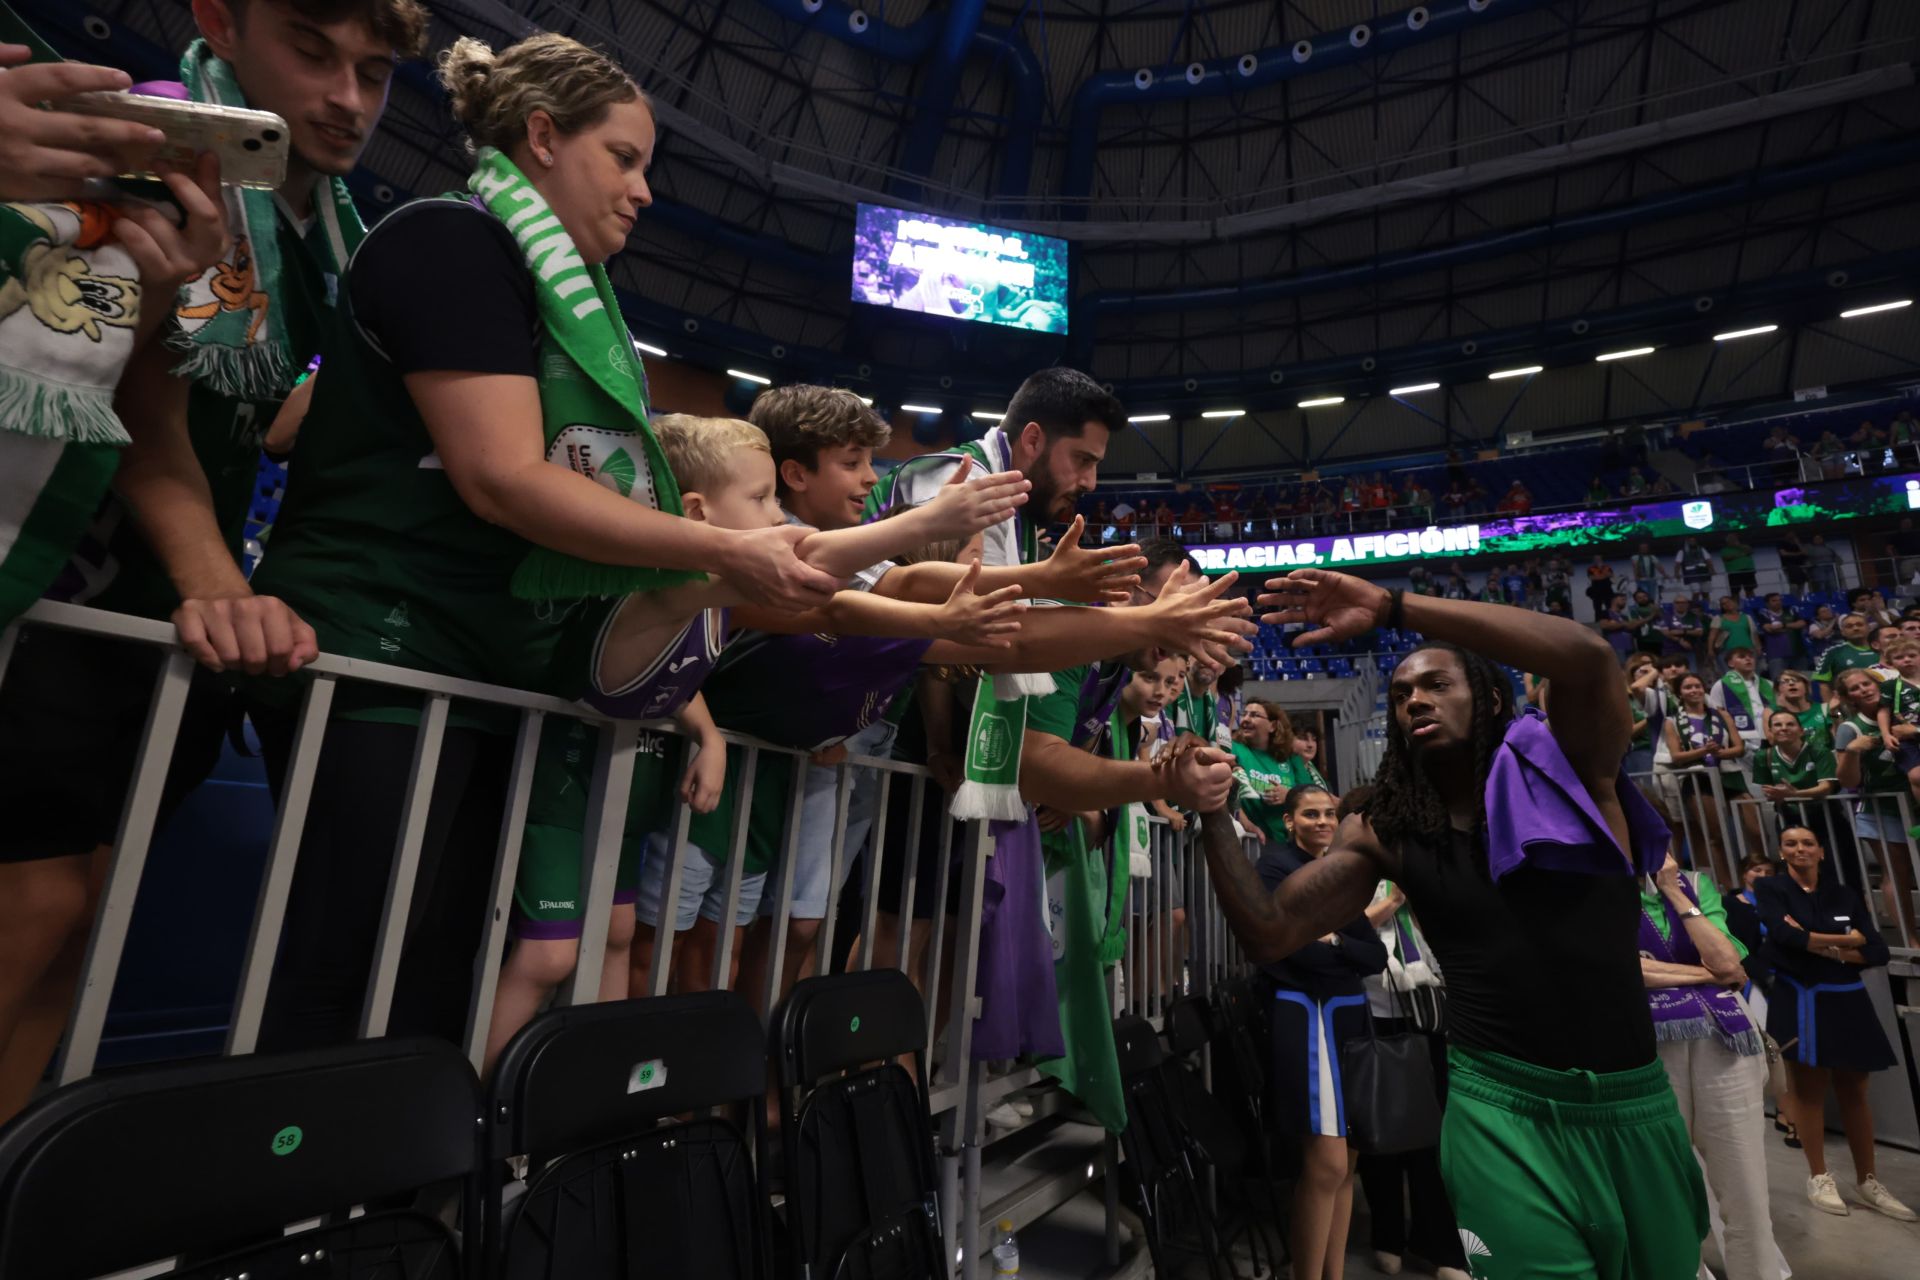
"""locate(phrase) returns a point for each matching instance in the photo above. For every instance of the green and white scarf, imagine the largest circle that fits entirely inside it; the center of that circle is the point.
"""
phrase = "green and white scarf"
(990, 785)
(593, 388)
(1198, 713)
(227, 321)
(69, 301)
(1132, 838)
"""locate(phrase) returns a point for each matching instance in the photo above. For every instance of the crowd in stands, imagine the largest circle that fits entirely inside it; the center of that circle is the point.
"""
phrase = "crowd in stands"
(1616, 470)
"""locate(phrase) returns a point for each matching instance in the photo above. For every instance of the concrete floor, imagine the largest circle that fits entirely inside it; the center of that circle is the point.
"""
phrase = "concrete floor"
(1818, 1246)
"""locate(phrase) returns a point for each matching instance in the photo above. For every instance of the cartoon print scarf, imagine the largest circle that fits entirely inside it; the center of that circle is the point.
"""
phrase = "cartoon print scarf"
(69, 301)
(227, 322)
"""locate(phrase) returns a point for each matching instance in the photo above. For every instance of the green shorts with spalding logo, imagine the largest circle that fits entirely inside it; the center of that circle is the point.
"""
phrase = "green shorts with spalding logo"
(547, 891)
(1570, 1175)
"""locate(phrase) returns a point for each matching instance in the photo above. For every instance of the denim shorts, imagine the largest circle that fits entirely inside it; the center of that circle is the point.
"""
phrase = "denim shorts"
(703, 887)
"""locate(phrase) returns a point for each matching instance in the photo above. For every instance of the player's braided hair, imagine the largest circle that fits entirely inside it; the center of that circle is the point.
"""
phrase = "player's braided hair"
(1404, 804)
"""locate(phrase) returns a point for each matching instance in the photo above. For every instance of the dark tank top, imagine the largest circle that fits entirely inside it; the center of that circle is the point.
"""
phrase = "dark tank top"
(1543, 967)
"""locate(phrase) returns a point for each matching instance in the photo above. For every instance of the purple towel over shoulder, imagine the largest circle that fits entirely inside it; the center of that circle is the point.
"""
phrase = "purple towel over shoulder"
(1539, 814)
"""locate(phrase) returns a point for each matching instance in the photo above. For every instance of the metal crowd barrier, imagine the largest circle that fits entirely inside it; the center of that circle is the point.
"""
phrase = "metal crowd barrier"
(1156, 967)
(1720, 830)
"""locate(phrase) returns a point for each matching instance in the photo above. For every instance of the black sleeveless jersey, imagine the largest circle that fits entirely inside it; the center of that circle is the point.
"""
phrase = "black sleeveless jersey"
(1543, 966)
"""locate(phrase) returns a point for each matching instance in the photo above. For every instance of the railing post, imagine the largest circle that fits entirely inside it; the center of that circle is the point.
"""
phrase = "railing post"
(836, 865)
(666, 930)
(283, 853)
(506, 867)
(736, 873)
(405, 871)
(966, 961)
(876, 855)
(783, 888)
(130, 844)
(600, 847)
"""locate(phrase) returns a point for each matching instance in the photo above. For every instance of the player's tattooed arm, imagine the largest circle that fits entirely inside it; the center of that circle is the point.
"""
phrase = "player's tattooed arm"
(1327, 893)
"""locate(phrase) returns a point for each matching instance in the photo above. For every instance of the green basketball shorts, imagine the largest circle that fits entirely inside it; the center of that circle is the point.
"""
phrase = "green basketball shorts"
(1570, 1175)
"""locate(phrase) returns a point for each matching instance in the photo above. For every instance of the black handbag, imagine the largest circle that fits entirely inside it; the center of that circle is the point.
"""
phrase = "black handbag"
(1393, 1104)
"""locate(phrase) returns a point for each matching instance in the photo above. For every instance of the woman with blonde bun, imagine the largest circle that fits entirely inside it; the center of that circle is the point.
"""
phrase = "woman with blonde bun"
(475, 467)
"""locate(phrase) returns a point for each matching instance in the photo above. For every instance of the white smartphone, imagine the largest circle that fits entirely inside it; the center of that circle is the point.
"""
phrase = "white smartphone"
(252, 145)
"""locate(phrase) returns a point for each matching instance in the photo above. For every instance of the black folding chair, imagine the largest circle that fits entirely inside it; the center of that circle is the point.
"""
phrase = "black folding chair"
(862, 1190)
(1241, 1012)
(628, 1175)
(1160, 1165)
(210, 1162)
(1223, 1138)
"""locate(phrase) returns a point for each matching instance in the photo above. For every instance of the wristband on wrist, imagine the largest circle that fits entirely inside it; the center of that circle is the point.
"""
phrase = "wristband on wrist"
(1396, 608)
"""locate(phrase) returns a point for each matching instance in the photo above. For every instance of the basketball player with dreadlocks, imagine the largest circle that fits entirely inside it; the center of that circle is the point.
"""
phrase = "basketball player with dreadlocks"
(1519, 844)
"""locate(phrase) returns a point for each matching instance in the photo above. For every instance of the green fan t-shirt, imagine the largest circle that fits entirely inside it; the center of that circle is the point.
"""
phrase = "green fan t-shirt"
(1814, 765)
(374, 546)
(1253, 772)
(1738, 631)
(1842, 658)
(1878, 773)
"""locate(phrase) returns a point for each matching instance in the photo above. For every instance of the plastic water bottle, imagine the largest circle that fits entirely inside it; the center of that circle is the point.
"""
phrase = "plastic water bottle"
(1006, 1254)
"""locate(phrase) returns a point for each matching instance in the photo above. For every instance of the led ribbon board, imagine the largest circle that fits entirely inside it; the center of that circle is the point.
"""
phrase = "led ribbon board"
(961, 270)
(1818, 505)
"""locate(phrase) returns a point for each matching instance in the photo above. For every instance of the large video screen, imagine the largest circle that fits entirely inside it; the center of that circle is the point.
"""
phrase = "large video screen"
(962, 270)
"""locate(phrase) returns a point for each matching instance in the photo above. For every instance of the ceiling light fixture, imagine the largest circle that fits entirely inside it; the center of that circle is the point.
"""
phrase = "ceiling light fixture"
(649, 348)
(1731, 334)
(1151, 417)
(989, 415)
(744, 376)
(1418, 386)
(1628, 354)
(1876, 307)
(1223, 413)
(1319, 402)
(919, 408)
(1521, 372)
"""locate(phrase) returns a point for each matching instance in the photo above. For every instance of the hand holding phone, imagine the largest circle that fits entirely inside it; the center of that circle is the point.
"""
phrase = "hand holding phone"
(170, 253)
(50, 154)
(252, 145)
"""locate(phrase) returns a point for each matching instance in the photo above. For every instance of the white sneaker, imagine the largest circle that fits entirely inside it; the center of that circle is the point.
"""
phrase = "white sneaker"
(1824, 1196)
(1881, 1200)
(1022, 1105)
(1002, 1116)
(1389, 1264)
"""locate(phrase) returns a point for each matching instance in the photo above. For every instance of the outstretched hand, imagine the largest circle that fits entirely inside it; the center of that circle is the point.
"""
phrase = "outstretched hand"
(989, 620)
(1340, 606)
(1092, 575)
(1194, 615)
(964, 507)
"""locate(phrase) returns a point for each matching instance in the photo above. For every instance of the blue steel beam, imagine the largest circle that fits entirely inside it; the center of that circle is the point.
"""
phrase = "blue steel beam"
(1221, 77)
(1826, 170)
(939, 81)
(913, 44)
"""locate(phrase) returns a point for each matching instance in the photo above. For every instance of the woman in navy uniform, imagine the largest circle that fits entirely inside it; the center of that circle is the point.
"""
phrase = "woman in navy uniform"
(1820, 935)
